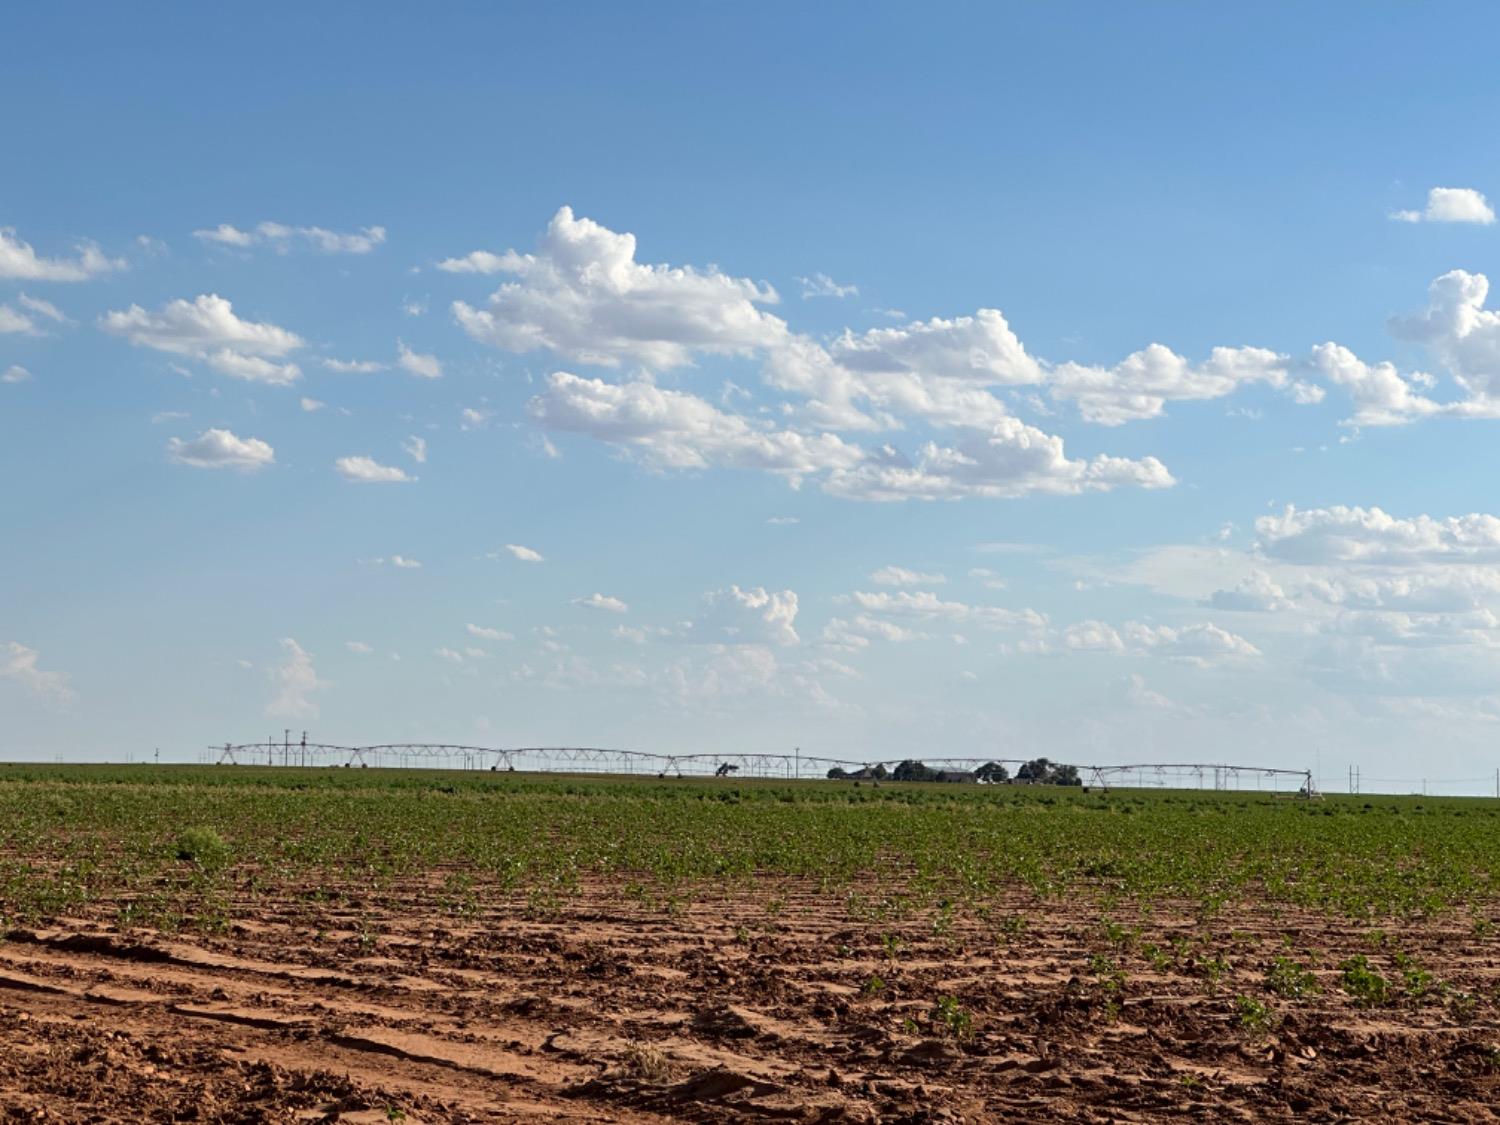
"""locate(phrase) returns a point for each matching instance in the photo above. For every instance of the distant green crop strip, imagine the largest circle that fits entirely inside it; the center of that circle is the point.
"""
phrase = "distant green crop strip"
(72, 836)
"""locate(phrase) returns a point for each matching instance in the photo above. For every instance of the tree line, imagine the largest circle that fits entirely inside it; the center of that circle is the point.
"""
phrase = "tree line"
(1038, 771)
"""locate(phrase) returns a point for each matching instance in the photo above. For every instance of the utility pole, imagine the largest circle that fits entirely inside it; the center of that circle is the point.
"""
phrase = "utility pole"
(798, 751)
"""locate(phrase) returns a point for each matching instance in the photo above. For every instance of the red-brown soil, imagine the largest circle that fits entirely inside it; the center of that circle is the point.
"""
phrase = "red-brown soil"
(754, 1007)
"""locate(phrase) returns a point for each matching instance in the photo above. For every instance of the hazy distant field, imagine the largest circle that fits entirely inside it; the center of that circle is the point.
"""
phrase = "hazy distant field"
(476, 946)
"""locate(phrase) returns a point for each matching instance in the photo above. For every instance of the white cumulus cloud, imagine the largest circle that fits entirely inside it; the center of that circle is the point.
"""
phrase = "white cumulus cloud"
(1141, 385)
(1014, 459)
(584, 297)
(602, 602)
(207, 328)
(220, 449)
(673, 429)
(353, 366)
(1451, 205)
(415, 363)
(366, 470)
(19, 262)
(1342, 534)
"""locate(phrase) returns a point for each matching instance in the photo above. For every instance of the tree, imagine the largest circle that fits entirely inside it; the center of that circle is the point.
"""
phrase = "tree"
(837, 774)
(1037, 770)
(992, 773)
(1041, 771)
(911, 770)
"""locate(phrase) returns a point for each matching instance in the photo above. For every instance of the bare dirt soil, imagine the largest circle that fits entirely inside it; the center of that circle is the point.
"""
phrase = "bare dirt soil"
(761, 1006)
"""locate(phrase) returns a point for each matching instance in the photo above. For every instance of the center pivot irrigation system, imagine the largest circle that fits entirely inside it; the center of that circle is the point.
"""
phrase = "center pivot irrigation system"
(588, 759)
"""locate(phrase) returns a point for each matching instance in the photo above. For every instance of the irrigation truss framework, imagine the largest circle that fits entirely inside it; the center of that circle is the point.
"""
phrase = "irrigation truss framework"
(589, 759)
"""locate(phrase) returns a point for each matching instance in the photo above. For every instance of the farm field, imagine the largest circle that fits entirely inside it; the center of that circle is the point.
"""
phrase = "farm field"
(256, 944)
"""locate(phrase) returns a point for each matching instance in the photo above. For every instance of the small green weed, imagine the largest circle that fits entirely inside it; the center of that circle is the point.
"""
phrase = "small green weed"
(1368, 988)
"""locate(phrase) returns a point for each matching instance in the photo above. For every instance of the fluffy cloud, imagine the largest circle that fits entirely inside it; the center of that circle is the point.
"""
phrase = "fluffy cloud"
(1382, 397)
(283, 238)
(1014, 459)
(750, 616)
(1141, 385)
(366, 470)
(207, 328)
(584, 297)
(978, 349)
(525, 554)
(18, 664)
(1198, 644)
(1255, 593)
(1092, 636)
(477, 261)
(353, 366)
(415, 363)
(485, 633)
(1450, 205)
(226, 235)
(900, 576)
(1370, 536)
(1450, 589)
(1459, 330)
(401, 562)
(856, 633)
(19, 262)
(295, 681)
(253, 368)
(200, 326)
(936, 370)
(602, 602)
(220, 449)
(673, 429)
(1456, 330)
(15, 373)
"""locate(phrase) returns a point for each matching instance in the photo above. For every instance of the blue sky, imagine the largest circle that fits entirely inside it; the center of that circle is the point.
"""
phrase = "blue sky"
(850, 373)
